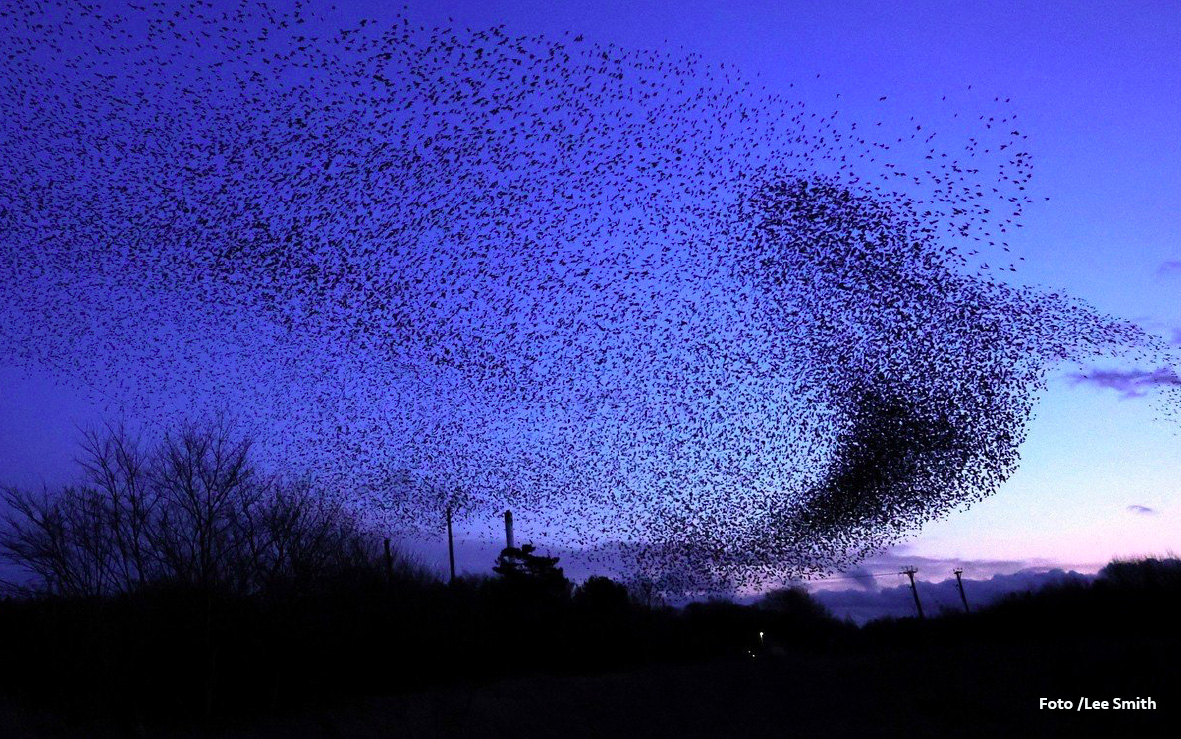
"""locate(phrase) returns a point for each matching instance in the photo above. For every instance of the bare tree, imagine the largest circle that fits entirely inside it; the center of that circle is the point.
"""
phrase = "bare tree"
(207, 488)
(89, 539)
(192, 511)
(119, 476)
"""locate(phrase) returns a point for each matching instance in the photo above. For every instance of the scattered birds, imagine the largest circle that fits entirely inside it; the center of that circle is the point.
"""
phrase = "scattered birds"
(694, 329)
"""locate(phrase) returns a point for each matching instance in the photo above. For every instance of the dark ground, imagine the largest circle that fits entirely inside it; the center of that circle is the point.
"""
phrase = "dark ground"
(932, 690)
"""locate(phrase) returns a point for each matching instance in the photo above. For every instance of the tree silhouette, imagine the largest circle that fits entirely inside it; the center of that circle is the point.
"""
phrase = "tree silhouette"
(190, 511)
(523, 570)
(602, 594)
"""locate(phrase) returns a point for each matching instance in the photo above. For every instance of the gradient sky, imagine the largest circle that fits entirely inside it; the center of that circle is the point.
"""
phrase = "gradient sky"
(1097, 87)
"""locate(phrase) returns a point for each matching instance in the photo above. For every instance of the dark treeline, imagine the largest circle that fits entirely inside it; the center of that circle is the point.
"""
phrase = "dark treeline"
(1128, 599)
(178, 585)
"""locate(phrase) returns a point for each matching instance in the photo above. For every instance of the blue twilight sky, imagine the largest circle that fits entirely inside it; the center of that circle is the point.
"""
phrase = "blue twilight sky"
(1095, 85)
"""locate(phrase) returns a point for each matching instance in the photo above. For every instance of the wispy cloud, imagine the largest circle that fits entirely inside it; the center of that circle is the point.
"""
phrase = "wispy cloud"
(1170, 267)
(1129, 383)
(863, 577)
(885, 565)
(1142, 510)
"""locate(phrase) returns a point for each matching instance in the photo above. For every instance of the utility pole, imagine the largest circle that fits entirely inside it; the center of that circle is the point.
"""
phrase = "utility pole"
(389, 562)
(450, 545)
(508, 529)
(959, 583)
(909, 572)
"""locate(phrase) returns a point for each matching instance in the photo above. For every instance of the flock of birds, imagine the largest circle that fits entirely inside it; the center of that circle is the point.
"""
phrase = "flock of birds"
(678, 323)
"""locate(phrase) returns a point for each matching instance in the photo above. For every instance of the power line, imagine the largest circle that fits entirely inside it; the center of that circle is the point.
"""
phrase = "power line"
(860, 576)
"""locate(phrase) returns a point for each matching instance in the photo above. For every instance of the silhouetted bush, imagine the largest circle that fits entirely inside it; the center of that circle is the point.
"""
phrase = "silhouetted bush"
(602, 594)
(1149, 574)
(535, 577)
(795, 602)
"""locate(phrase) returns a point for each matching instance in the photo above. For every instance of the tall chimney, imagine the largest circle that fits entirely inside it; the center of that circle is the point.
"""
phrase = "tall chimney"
(508, 529)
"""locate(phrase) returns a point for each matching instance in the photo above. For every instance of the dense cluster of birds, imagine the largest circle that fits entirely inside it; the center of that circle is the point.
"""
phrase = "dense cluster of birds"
(675, 321)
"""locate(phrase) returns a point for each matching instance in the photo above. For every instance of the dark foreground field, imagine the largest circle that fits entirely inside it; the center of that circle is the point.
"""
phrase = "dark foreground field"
(931, 689)
(597, 670)
(493, 657)
(325, 632)
(244, 606)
